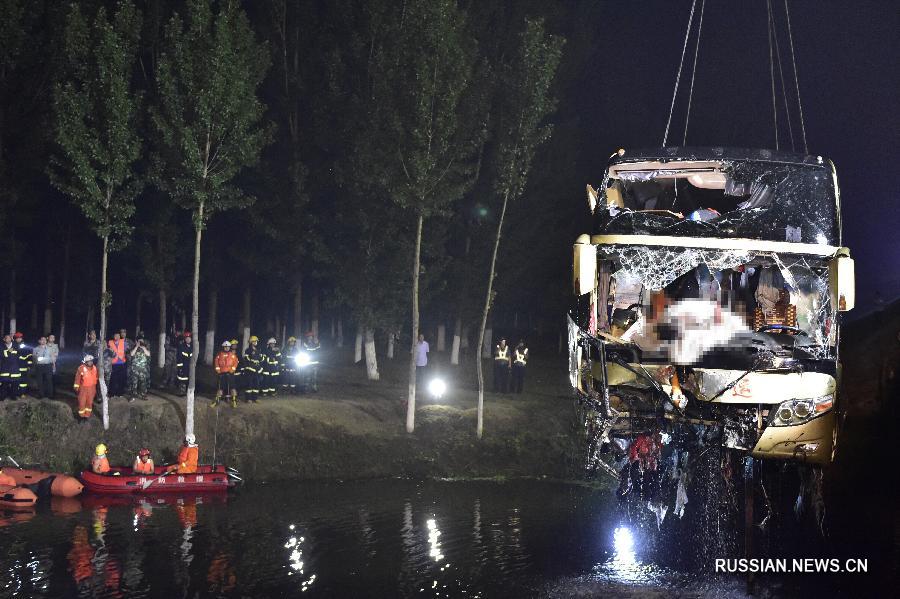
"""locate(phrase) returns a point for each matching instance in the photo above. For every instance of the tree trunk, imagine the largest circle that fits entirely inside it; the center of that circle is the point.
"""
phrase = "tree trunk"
(390, 347)
(64, 294)
(137, 313)
(457, 338)
(183, 313)
(314, 325)
(486, 344)
(245, 341)
(340, 332)
(371, 358)
(442, 338)
(489, 297)
(298, 305)
(48, 307)
(12, 301)
(411, 398)
(161, 355)
(332, 329)
(357, 349)
(209, 349)
(195, 327)
(101, 338)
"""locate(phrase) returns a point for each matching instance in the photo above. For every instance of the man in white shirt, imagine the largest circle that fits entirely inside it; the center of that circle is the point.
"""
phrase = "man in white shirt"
(421, 358)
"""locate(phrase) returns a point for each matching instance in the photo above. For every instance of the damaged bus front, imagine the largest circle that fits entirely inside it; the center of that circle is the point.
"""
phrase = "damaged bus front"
(708, 300)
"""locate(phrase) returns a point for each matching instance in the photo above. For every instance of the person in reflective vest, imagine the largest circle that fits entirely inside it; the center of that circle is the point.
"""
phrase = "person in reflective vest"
(118, 378)
(143, 463)
(520, 361)
(289, 366)
(183, 361)
(250, 371)
(26, 360)
(226, 365)
(188, 457)
(9, 369)
(86, 379)
(311, 346)
(100, 463)
(271, 367)
(501, 367)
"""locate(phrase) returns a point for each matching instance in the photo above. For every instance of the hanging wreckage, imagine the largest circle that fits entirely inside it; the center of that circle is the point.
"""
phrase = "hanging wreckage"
(708, 300)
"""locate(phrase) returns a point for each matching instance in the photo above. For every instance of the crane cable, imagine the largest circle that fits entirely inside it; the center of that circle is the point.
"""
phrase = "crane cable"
(687, 34)
(787, 16)
(772, 71)
(687, 116)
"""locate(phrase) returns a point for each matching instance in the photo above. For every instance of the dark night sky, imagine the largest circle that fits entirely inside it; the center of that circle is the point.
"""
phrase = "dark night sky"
(846, 56)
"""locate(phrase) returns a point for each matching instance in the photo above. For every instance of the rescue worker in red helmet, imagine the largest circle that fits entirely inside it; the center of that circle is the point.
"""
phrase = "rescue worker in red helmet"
(143, 463)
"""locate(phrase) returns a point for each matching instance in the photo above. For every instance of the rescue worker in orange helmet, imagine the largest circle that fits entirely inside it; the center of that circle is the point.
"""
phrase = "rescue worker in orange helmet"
(143, 463)
(86, 378)
(188, 457)
(99, 463)
(226, 365)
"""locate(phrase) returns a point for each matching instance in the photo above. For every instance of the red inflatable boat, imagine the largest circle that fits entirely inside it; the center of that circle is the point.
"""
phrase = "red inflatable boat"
(62, 485)
(16, 498)
(207, 479)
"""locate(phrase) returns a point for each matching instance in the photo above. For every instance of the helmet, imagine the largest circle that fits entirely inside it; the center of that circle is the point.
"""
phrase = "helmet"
(18, 335)
(87, 358)
(310, 334)
(226, 344)
(234, 342)
(190, 439)
(271, 341)
(187, 334)
(292, 339)
(254, 338)
(144, 452)
(100, 449)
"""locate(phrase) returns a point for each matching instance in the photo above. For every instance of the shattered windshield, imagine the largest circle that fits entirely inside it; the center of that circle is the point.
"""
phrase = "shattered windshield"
(772, 201)
(696, 305)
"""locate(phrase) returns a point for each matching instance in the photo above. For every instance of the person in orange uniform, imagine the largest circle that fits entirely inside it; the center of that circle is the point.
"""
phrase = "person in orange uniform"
(86, 387)
(187, 457)
(226, 366)
(99, 463)
(6, 479)
(143, 463)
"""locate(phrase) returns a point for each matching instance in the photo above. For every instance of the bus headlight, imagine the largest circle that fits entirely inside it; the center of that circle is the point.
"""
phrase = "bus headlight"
(799, 411)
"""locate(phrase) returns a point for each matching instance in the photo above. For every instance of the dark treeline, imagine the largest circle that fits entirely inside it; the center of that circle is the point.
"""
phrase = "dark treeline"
(344, 143)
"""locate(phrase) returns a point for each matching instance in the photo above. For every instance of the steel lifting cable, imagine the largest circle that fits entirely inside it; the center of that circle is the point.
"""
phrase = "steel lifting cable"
(772, 71)
(787, 111)
(787, 16)
(687, 34)
(687, 116)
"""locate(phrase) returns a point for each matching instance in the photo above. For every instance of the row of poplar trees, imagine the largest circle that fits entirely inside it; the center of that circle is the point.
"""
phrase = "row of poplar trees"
(419, 111)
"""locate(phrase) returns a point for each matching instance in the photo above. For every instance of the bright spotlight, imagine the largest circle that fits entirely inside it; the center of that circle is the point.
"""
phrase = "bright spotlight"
(302, 359)
(623, 541)
(437, 388)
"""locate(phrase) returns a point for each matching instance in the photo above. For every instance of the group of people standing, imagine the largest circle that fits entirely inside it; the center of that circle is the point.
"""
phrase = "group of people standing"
(125, 361)
(16, 362)
(262, 372)
(509, 367)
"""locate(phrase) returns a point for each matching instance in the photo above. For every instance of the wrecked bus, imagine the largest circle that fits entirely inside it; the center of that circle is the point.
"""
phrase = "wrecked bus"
(708, 300)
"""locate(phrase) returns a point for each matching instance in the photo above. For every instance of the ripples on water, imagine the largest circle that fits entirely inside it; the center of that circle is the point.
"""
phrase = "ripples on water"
(361, 539)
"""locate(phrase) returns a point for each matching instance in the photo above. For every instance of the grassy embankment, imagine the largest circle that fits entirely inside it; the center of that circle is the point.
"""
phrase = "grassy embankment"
(352, 428)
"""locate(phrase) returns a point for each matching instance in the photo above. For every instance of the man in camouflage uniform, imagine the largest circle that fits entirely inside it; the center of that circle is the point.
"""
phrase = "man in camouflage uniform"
(139, 370)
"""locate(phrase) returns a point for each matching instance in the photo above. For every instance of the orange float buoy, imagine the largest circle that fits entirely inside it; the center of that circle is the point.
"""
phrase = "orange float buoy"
(62, 486)
(16, 497)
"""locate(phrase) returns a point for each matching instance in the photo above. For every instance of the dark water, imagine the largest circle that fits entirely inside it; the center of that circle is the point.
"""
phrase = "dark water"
(361, 539)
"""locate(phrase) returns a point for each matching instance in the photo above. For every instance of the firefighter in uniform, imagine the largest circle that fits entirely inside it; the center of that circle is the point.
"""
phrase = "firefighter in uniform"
(26, 361)
(271, 367)
(501, 367)
(289, 366)
(183, 361)
(226, 365)
(9, 369)
(520, 361)
(250, 371)
(311, 346)
(236, 348)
